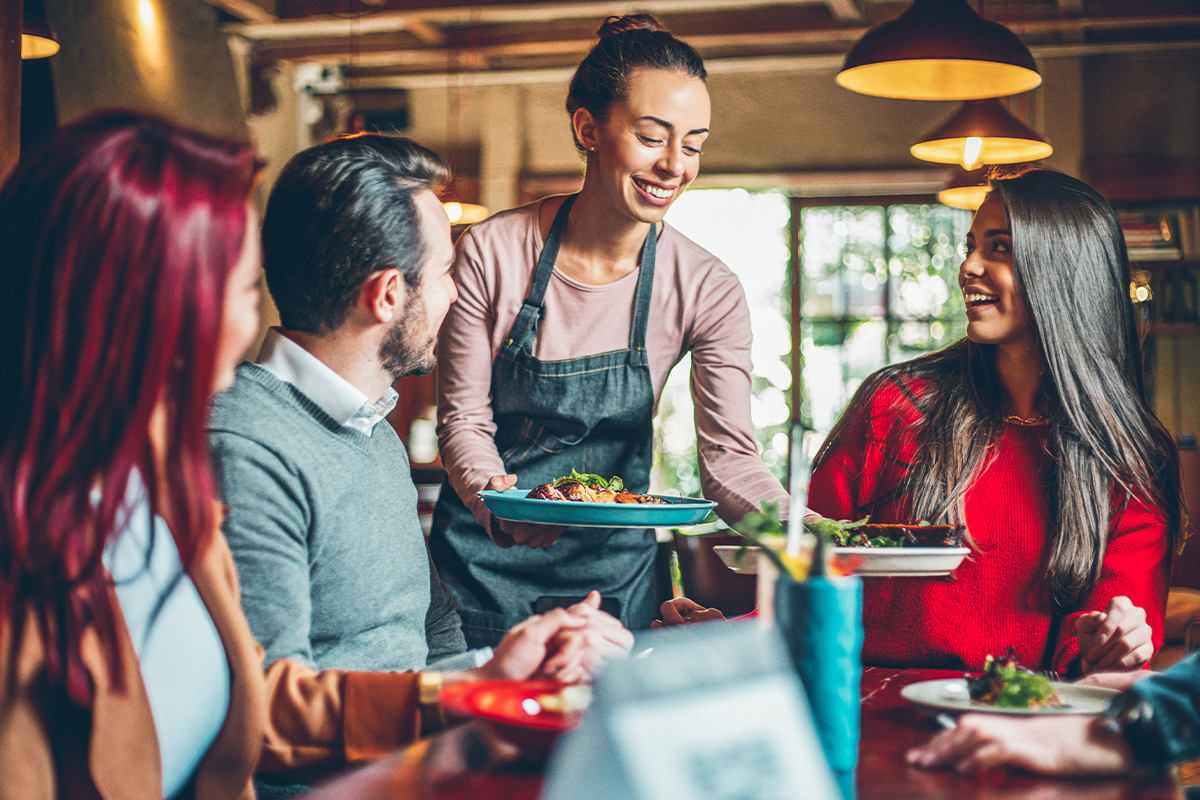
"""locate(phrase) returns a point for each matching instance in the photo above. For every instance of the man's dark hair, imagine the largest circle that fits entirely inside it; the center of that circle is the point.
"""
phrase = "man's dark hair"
(340, 212)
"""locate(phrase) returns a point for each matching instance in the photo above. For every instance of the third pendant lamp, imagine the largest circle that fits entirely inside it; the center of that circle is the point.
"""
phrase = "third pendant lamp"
(939, 50)
(967, 189)
(982, 132)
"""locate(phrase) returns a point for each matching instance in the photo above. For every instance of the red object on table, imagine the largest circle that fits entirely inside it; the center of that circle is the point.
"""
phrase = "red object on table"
(890, 726)
(512, 709)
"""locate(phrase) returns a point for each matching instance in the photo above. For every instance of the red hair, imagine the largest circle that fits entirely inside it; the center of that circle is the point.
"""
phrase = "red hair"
(119, 237)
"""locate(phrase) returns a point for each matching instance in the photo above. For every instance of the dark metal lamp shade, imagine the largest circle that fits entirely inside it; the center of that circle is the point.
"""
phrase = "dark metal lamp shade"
(37, 40)
(982, 132)
(967, 189)
(939, 50)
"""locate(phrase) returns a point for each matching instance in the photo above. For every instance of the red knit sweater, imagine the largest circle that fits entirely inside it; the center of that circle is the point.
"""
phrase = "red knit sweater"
(998, 597)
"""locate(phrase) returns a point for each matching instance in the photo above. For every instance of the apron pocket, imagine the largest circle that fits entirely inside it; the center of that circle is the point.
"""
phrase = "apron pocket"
(484, 628)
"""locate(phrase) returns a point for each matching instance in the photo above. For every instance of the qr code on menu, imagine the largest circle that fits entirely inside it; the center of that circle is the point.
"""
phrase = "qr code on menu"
(746, 770)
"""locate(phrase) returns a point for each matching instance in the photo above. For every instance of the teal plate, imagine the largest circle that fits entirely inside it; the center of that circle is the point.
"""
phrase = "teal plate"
(515, 506)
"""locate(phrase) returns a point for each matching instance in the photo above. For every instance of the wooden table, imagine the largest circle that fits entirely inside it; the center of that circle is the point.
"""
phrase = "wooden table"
(890, 726)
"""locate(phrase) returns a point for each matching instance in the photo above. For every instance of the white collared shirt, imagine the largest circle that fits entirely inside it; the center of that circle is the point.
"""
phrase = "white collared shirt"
(335, 395)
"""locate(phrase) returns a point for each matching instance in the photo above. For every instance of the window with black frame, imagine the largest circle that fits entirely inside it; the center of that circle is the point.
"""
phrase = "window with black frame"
(878, 285)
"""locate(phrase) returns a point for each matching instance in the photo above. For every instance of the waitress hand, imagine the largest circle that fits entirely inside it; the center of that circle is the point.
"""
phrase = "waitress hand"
(507, 533)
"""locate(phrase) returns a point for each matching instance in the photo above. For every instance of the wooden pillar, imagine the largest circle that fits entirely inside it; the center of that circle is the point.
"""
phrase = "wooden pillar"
(10, 85)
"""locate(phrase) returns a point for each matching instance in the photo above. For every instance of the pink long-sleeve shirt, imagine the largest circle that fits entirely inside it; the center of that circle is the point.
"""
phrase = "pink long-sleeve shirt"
(697, 306)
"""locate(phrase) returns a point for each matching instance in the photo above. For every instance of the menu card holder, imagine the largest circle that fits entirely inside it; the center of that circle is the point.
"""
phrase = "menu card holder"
(821, 621)
(714, 712)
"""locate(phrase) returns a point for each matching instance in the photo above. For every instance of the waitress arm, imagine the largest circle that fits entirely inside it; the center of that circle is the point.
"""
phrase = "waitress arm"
(732, 472)
(466, 427)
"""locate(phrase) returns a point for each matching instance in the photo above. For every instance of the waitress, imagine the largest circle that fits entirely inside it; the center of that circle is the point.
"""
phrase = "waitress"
(572, 311)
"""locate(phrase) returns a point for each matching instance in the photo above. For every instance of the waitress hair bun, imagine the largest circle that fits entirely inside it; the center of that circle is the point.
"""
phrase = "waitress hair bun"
(615, 26)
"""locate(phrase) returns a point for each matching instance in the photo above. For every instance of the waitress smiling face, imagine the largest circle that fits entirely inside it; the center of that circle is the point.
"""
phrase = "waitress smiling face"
(645, 150)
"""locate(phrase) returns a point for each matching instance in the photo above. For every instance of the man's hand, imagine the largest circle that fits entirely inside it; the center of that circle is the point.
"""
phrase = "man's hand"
(682, 611)
(579, 653)
(1063, 745)
(526, 645)
(506, 533)
(1121, 681)
(564, 644)
(1117, 638)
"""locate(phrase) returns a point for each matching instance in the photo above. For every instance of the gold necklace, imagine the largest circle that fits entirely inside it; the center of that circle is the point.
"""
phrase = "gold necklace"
(1024, 421)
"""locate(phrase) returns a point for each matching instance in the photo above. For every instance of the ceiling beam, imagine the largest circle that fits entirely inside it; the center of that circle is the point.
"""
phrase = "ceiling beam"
(255, 11)
(847, 10)
(780, 64)
(458, 12)
(805, 28)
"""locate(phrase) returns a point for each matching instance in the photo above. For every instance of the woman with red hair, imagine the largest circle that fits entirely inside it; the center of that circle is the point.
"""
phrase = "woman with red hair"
(127, 668)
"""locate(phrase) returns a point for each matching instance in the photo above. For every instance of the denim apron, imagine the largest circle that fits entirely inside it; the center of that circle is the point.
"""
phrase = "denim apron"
(592, 414)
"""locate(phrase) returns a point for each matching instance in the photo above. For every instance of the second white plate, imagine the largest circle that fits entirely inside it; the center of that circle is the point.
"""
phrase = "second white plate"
(873, 562)
(950, 694)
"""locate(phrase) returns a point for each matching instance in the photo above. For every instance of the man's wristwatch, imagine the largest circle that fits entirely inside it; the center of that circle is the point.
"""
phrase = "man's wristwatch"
(429, 686)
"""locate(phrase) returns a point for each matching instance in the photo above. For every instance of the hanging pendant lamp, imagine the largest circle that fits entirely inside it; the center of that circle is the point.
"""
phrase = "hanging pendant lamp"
(967, 189)
(982, 132)
(37, 40)
(939, 50)
(461, 213)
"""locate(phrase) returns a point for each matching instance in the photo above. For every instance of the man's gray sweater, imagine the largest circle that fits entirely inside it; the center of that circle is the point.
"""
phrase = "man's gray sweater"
(323, 526)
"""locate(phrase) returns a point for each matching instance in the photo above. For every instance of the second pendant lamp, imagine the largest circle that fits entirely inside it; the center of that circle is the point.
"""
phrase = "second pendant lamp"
(982, 132)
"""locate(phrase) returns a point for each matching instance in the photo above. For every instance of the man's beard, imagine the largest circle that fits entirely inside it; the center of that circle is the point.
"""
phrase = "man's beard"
(408, 348)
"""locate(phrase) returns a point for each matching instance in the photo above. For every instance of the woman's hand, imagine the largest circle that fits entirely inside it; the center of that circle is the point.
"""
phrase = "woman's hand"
(682, 611)
(1064, 745)
(1117, 638)
(566, 644)
(506, 533)
(520, 654)
(578, 653)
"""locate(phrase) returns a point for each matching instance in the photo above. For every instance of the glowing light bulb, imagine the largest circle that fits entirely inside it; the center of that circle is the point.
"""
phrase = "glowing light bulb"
(971, 152)
(146, 12)
(454, 211)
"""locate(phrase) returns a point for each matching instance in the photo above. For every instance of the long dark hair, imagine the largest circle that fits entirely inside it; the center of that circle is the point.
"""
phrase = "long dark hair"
(1104, 440)
(119, 237)
(627, 43)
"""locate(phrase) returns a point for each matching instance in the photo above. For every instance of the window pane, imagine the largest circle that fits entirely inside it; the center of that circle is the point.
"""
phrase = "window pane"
(749, 232)
(837, 357)
(923, 241)
(911, 338)
(842, 261)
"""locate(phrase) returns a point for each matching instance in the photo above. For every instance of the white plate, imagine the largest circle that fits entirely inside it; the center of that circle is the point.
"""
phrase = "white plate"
(950, 694)
(876, 562)
(741, 559)
(905, 562)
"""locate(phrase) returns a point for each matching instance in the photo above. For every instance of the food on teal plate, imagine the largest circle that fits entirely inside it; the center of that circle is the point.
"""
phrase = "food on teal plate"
(582, 487)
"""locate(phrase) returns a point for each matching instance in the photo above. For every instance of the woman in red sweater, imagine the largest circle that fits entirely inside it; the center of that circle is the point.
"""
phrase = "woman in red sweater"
(1035, 432)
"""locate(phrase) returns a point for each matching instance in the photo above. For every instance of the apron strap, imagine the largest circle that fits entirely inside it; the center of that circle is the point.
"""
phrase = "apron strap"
(524, 327)
(641, 300)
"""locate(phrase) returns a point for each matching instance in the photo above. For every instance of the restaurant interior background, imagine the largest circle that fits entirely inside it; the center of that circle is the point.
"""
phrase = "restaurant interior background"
(807, 190)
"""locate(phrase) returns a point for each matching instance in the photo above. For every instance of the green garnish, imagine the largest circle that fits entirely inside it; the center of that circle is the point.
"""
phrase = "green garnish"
(1007, 684)
(613, 484)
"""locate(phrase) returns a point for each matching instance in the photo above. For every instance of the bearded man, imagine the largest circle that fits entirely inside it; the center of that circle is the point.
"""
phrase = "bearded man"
(359, 630)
